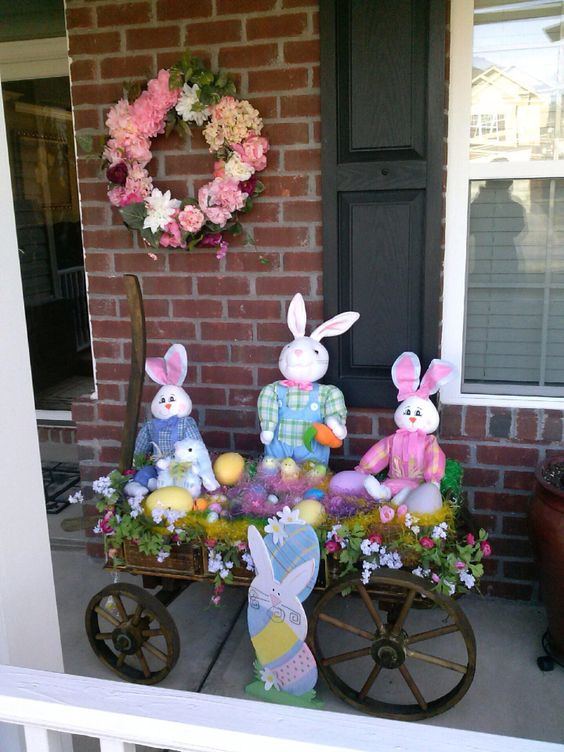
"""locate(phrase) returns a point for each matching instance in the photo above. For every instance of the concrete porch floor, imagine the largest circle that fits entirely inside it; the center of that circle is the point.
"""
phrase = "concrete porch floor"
(509, 695)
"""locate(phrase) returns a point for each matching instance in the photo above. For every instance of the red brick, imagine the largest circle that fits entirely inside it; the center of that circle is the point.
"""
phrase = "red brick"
(358, 446)
(96, 93)
(183, 10)
(511, 590)
(280, 79)
(304, 161)
(300, 3)
(500, 420)
(111, 329)
(248, 56)
(189, 164)
(108, 392)
(515, 525)
(94, 44)
(94, 215)
(275, 27)
(178, 286)
(154, 308)
(486, 521)
(231, 7)
(226, 330)
(107, 350)
(114, 238)
(123, 14)
(519, 570)
(79, 18)
(511, 547)
(247, 442)
(111, 413)
(102, 306)
(301, 211)
(243, 397)
(206, 353)
(222, 285)
(264, 354)
(213, 33)
(112, 371)
(253, 309)
(477, 476)
(86, 119)
(475, 422)
(451, 421)
(306, 51)
(151, 37)
(386, 425)
(255, 261)
(283, 285)
(268, 375)
(231, 418)
(289, 133)
(285, 237)
(226, 375)
(140, 261)
(201, 395)
(273, 332)
(83, 412)
(306, 105)
(83, 70)
(98, 262)
(286, 185)
(526, 425)
(308, 261)
(263, 212)
(110, 454)
(501, 502)
(496, 454)
(268, 108)
(93, 191)
(218, 440)
(170, 330)
(519, 480)
(359, 424)
(552, 426)
(124, 67)
(199, 260)
(197, 308)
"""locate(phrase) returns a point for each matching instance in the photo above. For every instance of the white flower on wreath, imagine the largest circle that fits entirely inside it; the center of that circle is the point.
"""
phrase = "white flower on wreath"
(439, 531)
(236, 168)
(269, 679)
(290, 516)
(185, 105)
(160, 210)
(276, 528)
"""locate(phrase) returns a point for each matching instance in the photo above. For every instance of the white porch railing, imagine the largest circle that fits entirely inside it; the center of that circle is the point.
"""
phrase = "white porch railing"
(121, 715)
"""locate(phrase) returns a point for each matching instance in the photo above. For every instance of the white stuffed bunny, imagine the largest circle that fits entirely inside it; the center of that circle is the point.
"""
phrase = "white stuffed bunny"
(287, 408)
(416, 462)
(277, 620)
(170, 408)
(190, 468)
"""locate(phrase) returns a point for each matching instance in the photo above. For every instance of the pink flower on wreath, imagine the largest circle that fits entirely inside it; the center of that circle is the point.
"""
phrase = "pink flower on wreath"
(252, 151)
(191, 218)
(248, 186)
(220, 198)
(150, 108)
(332, 546)
(486, 548)
(387, 514)
(120, 196)
(215, 240)
(219, 169)
(426, 542)
(470, 540)
(139, 181)
(401, 511)
(119, 120)
(172, 237)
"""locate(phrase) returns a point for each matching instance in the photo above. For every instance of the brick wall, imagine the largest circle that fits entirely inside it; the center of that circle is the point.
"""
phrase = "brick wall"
(231, 314)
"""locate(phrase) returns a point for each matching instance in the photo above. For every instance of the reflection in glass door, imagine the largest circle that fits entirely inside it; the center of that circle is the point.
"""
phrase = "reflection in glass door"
(42, 162)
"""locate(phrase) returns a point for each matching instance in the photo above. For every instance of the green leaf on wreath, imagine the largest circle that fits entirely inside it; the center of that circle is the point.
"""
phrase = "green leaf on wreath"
(259, 188)
(134, 215)
(150, 237)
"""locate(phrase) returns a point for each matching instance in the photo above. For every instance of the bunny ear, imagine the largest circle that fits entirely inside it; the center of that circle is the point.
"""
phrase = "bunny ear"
(176, 359)
(297, 316)
(297, 579)
(337, 325)
(405, 374)
(259, 552)
(436, 376)
(170, 370)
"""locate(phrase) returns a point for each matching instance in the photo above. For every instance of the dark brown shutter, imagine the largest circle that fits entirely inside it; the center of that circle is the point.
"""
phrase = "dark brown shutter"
(382, 90)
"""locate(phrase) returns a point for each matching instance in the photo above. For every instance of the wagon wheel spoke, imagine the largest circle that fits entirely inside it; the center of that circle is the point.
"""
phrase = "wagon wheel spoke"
(370, 607)
(137, 615)
(349, 656)
(120, 660)
(420, 636)
(367, 686)
(156, 652)
(442, 662)
(143, 662)
(413, 686)
(103, 636)
(347, 627)
(152, 633)
(107, 616)
(403, 613)
(120, 607)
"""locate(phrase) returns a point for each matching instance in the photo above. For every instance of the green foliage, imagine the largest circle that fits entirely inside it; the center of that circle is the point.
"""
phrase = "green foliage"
(134, 215)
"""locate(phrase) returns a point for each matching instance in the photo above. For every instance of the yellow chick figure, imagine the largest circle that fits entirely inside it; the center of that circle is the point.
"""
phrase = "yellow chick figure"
(289, 469)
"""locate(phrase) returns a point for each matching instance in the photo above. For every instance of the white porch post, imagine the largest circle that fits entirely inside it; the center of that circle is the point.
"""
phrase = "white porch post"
(29, 627)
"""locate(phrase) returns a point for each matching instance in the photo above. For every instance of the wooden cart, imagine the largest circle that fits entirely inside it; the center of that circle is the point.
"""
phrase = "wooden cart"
(362, 643)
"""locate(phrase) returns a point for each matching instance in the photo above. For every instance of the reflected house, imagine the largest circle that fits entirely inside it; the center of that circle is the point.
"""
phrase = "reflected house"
(508, 114)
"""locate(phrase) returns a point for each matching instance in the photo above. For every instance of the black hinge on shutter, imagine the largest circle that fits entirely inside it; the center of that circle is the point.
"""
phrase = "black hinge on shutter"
(382, 93)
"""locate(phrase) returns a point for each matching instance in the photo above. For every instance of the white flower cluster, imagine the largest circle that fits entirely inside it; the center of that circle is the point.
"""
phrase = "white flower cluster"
(467, 579)
(216, 564)
(76, 498)
(277, 525)
(409, 522)
(384, 558)
(451, 586)
(162, 555)
(368, 547)
(420, 572)
(189, 107)
(135, 503)
(248, 559)
(440, 531)
(103, 486)
(171, 516)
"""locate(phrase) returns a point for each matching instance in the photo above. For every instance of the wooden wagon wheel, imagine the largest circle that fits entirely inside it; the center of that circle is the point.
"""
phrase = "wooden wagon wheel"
(132, 633)
(353, 639)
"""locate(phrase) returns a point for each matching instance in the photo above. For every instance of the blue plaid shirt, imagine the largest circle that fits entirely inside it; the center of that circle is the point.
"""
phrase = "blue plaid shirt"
(159, 436)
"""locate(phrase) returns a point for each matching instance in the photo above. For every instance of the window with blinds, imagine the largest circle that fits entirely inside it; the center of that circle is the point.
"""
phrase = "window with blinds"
(514, 316)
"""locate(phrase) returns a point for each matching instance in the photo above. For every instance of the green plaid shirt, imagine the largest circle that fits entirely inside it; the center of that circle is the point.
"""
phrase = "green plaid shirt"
(290, 430)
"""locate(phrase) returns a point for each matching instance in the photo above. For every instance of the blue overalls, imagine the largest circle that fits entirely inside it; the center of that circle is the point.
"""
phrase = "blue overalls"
(311, 413)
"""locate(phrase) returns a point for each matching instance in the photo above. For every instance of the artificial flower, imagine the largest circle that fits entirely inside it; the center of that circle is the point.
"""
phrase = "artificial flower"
(470, 540)
(162, 555)
(290, 516)
(276, 528)
(269, 678)
(76, 498)
(387, 513)
(401, 511)
(189, 107)
(231, 122)
(332, 546)
(160, 210)
(220, 198)
(172, 238)
(117, 173)
(236, 168)
(440, 531)
(191, 218)
(426, 542)
(252, 150)
(486, 548)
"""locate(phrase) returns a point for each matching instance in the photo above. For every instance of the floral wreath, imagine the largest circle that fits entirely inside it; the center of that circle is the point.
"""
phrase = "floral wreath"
(185, 94)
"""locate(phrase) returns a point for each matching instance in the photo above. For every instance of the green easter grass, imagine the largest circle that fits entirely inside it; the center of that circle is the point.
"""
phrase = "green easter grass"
(308, 700)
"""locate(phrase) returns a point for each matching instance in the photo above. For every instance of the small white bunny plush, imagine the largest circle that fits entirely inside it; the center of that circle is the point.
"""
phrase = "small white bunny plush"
(288, 407)
(416, 462)
(170, 408)
(277, 621)
(190, 468)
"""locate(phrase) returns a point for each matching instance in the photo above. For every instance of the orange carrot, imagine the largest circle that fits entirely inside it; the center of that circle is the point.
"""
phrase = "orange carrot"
(324, 435)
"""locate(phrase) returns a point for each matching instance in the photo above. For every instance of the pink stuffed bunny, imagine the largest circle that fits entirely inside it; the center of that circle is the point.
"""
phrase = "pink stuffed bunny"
(416, 463)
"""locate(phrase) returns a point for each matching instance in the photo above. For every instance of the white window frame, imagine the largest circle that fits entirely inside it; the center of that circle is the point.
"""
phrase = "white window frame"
(31, 59)
(460, 171)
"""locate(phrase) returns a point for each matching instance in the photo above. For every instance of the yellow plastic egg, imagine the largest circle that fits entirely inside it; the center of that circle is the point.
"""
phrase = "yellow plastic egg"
(228, 468)
(169, 497)
(311, 511)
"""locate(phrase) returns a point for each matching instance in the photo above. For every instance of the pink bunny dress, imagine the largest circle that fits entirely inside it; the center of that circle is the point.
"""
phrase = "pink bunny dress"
(412, 457)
